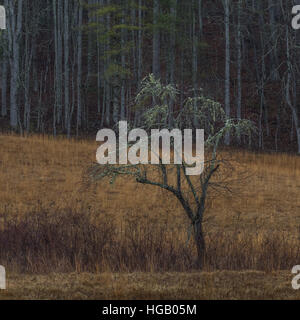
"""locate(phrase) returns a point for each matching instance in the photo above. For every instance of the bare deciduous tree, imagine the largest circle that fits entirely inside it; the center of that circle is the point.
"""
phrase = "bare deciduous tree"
(191, 192)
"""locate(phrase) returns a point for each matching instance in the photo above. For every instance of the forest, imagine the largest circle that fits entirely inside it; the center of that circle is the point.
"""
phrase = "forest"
(71, 67)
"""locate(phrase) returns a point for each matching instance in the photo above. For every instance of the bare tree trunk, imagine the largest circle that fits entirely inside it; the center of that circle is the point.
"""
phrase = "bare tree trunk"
(4, 87)
(115, 105)
(29, 47)
(66, 63)
(156, 40)
(200, 244)
(239, 64)
(133, 39)
(123, 62)
(100, 81)
(273, 47)
(140, 58)
(227, 66)
(58, 83)
(14, 28)
(172, 57)
(79, 70)
(195, 61)
(200, 13)
(107, 62)
(262, 79)
(60, 61)
(55, 105)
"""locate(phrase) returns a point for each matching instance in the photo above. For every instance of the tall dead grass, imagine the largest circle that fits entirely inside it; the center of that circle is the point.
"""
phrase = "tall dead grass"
(63, 242)
(50, 223)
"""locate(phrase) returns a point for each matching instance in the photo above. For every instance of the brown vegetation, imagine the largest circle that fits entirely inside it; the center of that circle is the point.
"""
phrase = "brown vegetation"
(51, 222)
(182, 286)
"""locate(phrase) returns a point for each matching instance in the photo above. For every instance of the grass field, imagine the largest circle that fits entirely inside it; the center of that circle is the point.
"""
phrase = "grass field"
(183, 286)
(61, 238)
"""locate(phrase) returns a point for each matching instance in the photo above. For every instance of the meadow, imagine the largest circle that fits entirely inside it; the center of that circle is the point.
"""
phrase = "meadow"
(62, 238)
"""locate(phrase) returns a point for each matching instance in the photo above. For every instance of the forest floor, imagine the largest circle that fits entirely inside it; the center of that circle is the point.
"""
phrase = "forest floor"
(64, 239)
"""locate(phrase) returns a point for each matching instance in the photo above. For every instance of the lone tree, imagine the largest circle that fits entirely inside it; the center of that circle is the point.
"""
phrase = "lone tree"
(191, 192)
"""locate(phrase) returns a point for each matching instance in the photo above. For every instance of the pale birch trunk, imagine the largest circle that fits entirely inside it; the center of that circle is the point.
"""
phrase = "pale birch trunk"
(14, 28)
(79, 69)
(227, 65)
(156, 40)
(66, 63)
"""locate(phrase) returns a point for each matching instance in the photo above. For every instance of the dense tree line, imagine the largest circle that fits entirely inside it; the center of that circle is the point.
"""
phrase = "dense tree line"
(72, 67)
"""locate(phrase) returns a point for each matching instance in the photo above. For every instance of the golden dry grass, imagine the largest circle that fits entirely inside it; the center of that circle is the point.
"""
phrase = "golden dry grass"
(226, 285)
(41, 171)
(38, 173)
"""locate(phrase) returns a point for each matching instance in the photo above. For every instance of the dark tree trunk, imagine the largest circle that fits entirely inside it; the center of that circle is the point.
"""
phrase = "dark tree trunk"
(200, 245)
